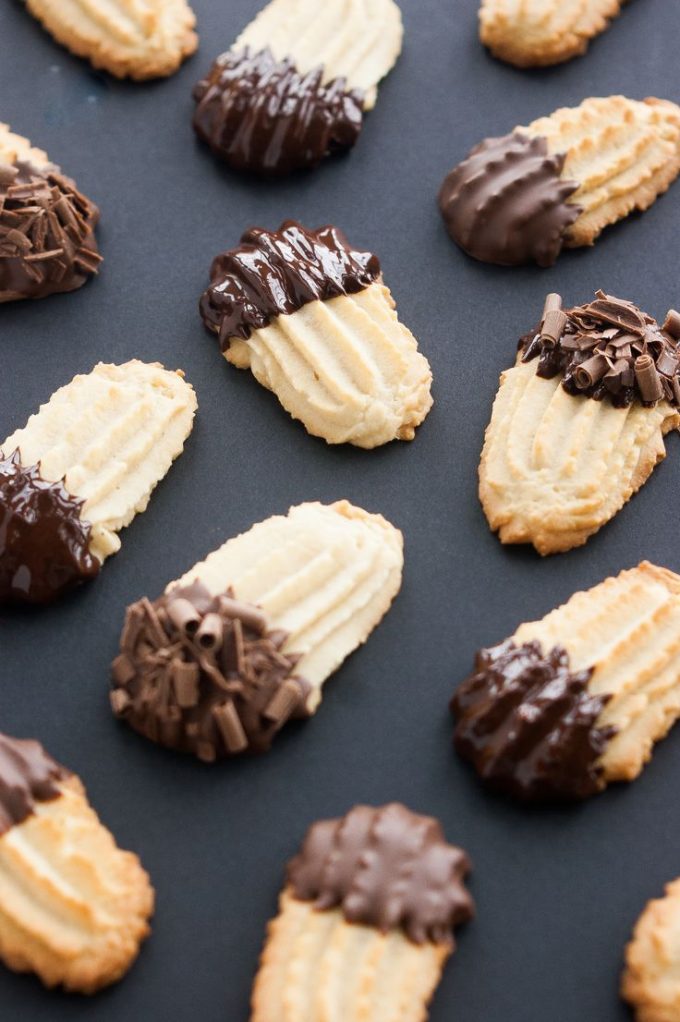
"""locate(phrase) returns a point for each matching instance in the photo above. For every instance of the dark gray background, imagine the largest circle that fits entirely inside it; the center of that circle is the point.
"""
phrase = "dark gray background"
(557, 890)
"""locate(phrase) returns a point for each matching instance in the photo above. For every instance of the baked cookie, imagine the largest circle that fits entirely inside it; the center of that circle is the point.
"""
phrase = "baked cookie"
(536, 33)
(575, 701)
(129, 38)
(293, 87)
(80, 470)
(312, 319)
(47, 242)
(245, 640)
(578, 423)
(74, 908)
(561, 180)
(365, 922)
(651, 981)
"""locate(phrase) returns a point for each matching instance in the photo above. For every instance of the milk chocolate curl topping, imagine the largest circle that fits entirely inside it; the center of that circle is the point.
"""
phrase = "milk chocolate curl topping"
(261, 115)
(609, 349)
(529, 726)
(506, 203)
(27, 775)
(388, 868)
(44, 543)
(204, 674)
(275, 273)
(47, 242)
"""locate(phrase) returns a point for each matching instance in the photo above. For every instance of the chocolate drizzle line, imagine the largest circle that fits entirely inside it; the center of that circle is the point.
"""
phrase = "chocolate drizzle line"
(529, 726)
(388, 868)
(44, 543)
(609, 349)
(204, 674)
(506, 203)
(275, 273)
(47, 241)
(261, 115)
(27, 775)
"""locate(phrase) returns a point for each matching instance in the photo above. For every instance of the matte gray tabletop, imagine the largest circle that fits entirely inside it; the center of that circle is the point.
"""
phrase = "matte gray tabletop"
(557, 890)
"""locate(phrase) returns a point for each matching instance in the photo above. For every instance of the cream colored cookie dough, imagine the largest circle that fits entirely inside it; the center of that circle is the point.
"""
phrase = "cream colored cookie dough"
(651, 980)
(536, 33)
(74, 908)
(129, 38)
(359, 40)
(17, 149)
(628, 629)
(346, 368)
(623, 153)
(111, 435)
(326, 574)
(555, 468)
(316, 966)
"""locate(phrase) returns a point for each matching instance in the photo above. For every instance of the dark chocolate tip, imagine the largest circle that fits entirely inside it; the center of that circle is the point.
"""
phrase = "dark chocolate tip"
(204, 674)
(608, 350)
(529, 726)
(263, 116)
(276, 273)
(44, 543)
(506, 203)
(388, 868)
(27, 776)
(47, 242)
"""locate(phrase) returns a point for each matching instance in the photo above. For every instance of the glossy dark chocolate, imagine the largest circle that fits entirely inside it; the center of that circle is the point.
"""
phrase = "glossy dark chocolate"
(261, 115)
(27, 776)
(529, 726)
(44, 543)
(609, 349)
(275, 273)
(204, 674)
(506, 203)
(47, 242)
(388, 868)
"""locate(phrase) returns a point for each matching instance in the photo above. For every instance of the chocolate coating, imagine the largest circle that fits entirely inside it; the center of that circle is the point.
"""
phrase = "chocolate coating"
(204, 674)
(261, 115)
(44, 543)
(388, 868)
(27, 775)
(47, 242)
(275, 273)
(529, 726)
(506, 202)
(609, 350)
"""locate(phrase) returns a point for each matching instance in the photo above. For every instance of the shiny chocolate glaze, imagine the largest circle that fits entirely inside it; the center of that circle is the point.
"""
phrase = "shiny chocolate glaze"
(27, 776)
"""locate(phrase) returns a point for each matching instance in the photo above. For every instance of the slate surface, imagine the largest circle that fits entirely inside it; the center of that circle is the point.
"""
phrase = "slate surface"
(557, 890)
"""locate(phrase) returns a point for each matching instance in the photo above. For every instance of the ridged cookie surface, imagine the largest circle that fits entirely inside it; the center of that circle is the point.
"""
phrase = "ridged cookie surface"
(74, 908)
(555, 468)
(651, 981)
(129, 38)
(111, 435)
(15, 149)
(325, 574)
(623, 153)
(358, 40)
(317, 966)
(535, 33)
(347, 368)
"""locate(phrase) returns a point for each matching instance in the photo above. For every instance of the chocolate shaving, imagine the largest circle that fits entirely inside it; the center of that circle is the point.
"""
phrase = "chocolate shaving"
(608, 349)
(47, 241)
(204, 674)
(529, 726)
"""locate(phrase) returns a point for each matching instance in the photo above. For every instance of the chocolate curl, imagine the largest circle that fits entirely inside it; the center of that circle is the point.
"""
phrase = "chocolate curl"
(250, 616)
(672, 324)
(185, 679)
(231, 729)
(667, 363)
(184, 616)
(647, 379)
(554, 321)
(284, 703)
(613, 380)
(210, 634)
(123, 670)
(8, 174)
(591, 371)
